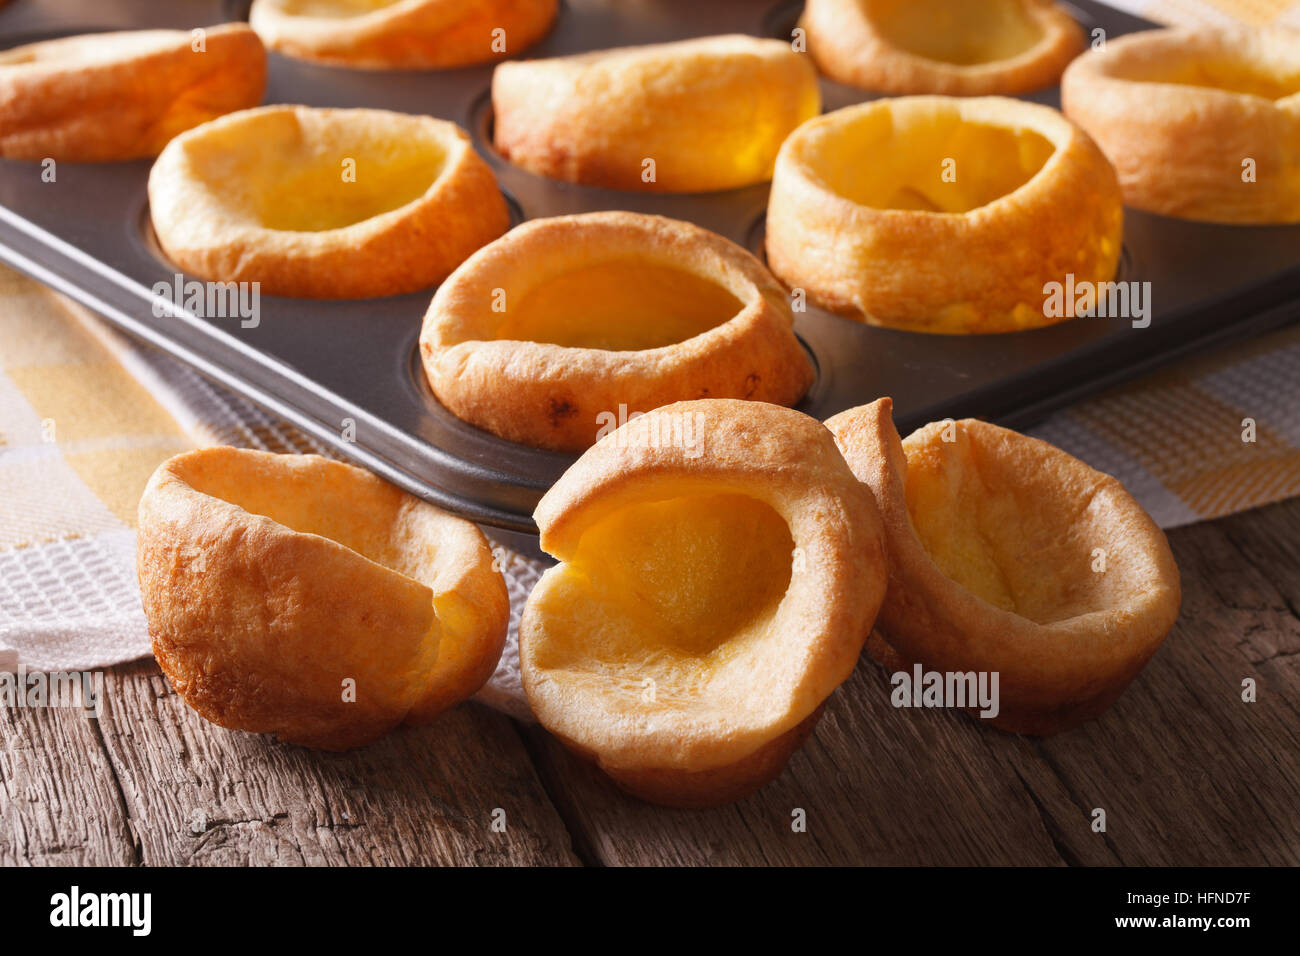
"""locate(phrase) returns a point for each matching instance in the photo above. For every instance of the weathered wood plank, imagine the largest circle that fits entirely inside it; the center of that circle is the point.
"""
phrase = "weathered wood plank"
(877, 785)
(1186, 772)
(198, 794)
(59, 802)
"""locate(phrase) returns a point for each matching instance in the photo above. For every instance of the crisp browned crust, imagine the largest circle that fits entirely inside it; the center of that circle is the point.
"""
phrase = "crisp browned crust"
(1163, 107)
(258, 622)
(724, 717)
(407, 34)
(1091, 631)
(208, 188)
(104, 97)
(561, 397)
(701, 789)
(711, 113)
(851, 43)
(975, 271)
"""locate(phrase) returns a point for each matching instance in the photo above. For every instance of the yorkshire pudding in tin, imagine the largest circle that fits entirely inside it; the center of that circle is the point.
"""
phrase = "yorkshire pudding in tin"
(690, 116)
(939, 214)
(954, 47)
(564, 326)
(324, 203)
(401, 34)
(1200, 125)
(103, 97)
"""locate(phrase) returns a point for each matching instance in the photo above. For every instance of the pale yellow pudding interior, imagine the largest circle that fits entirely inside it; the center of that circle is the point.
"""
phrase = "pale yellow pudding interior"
(316, 198)
(672, 591)
(619, 305)
(338, 9)
(1230, 74)
(965, 33)
(1011, 531)
(365, 518)
(928, 160)
(316, 175)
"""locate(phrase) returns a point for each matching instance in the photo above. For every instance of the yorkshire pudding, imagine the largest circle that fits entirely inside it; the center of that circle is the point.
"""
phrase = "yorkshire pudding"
(294, 595)
(1007, 555)
(955, 47)
(1199, 125)
(104, 97)
(942, 215)
(324, 203)
(690, 116)
(401, 34)
(719, 570)
(564, 326)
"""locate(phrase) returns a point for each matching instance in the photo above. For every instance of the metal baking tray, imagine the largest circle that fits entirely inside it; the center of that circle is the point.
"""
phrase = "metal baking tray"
(321, 364)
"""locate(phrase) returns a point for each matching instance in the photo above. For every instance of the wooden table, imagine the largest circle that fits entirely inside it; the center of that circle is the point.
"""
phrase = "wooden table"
(1186, 771)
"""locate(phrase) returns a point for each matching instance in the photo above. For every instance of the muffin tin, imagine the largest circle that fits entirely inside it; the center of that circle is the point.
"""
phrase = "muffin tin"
(323, 364)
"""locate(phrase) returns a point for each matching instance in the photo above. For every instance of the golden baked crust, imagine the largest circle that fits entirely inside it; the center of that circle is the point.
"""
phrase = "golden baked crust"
(264, 196)
(939, 214)
(270, 580)
(104, 97)
(565, 325)
(1183, 114)
(401, 34)
(710, 596)
(711, 113)
(700, 789)
(953, 47)
(1007, 555)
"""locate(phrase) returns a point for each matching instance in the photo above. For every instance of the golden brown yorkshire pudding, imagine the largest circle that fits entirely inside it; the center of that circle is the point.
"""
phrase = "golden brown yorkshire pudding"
(324, 203)
(294, 595)
(954, 47)
(554, 333)
(401, 34)
(104, 97)
(1199, 125)
(939, 214)
(690, 116)
(1007, 555)
(719, 570)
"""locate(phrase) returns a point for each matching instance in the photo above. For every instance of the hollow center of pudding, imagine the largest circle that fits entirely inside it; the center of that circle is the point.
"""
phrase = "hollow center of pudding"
(677, 579)
(365, 517)
(1009, 530)
(335, 9)
(619, 306)
(1230, 74)
(930, 160)
(318, 174)
(964, 34)
(318, 197)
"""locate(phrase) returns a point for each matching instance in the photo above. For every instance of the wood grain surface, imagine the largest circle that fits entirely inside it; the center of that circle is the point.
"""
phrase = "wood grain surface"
(151, 782)
(1185, 770)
